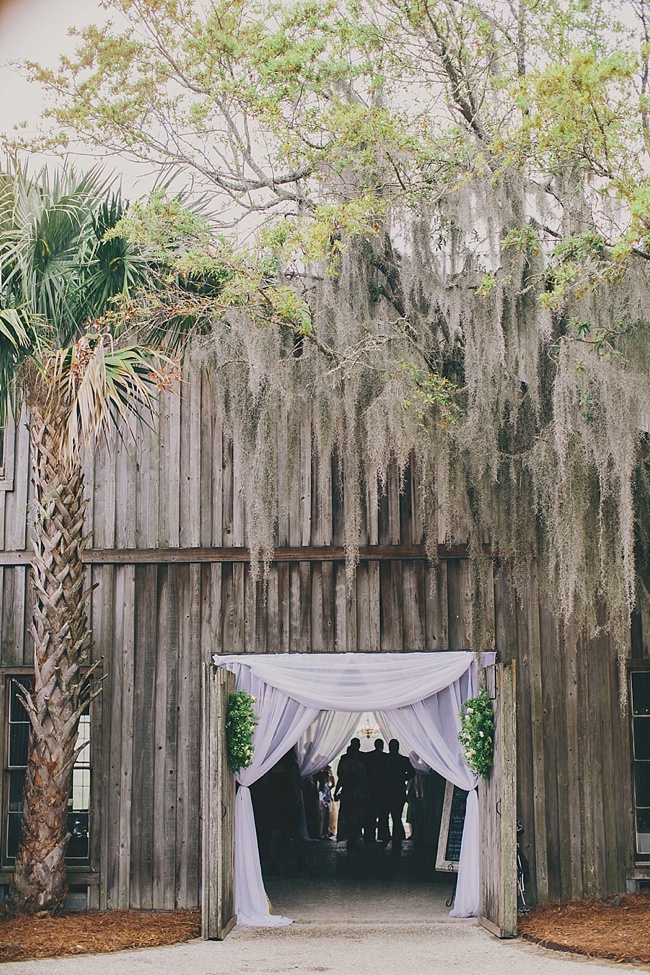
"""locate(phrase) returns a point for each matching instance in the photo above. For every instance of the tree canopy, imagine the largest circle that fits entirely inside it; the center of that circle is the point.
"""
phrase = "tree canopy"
(435, 235)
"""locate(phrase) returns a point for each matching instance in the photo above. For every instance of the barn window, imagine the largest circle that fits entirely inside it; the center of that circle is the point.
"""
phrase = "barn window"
(15, 764)
(640, 681)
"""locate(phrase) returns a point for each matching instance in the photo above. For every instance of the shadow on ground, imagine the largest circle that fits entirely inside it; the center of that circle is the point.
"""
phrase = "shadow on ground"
(369, 883)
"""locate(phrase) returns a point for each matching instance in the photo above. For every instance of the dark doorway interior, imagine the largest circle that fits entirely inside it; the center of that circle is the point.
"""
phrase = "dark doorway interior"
(320, 880)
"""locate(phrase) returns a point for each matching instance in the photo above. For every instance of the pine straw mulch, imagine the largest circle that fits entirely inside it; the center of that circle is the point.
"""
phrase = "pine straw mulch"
(90, 932)
(616, 927)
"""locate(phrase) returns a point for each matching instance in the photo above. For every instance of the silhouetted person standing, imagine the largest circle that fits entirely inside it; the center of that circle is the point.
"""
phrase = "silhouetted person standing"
(282, 805)
(377, 817)
(352, 789)
(398, 772)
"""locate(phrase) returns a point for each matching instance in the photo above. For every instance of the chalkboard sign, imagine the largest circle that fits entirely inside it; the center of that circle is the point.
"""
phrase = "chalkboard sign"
(451, 828)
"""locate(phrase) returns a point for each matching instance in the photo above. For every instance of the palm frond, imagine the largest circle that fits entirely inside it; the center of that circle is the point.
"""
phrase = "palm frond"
(97, 384)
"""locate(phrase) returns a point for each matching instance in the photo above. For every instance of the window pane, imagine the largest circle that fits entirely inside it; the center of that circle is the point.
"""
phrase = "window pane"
(80, 789)
(18, 742)
(642, 738)
(13, 834)
(16, 786)
(643, 830)
(16, 708)
(83, 738)
(640, 692)
(78, 847)
(642, 782)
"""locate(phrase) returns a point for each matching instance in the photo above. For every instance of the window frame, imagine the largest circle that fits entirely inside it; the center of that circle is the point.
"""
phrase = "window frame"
(7, 863)
(640, 666)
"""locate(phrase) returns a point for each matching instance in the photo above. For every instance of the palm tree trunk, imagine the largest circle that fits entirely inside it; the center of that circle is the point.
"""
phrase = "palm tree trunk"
(61, 691)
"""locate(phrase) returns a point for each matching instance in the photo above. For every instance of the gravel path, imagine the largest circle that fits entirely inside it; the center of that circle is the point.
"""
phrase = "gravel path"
(386, 948)
(349, 916)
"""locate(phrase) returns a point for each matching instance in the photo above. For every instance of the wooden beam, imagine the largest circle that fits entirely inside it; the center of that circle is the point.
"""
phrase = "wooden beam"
(307, 553)
(15, 558)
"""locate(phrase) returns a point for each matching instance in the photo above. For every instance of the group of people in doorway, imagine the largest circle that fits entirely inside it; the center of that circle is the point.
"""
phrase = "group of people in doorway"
(371, 787)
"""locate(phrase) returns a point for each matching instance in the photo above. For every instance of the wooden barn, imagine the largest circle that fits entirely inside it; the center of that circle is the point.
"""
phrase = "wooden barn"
(173, 585)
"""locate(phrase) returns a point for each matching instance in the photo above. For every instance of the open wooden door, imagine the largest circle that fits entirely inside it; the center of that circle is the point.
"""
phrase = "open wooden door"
(218, 806)
(498, 811)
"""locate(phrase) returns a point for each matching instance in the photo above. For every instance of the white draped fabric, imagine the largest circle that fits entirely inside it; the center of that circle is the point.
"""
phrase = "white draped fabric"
(416, 694)
(322, 742)
(430, 729)
(339, 681)
(282, 722)
(324, 739)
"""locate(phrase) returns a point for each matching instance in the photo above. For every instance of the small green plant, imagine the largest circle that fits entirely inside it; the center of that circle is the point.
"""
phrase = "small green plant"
(477, 733)
(240, 725)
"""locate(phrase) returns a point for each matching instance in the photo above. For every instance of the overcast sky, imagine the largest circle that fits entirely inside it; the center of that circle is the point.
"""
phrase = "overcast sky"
(34, 30)
(37, 30)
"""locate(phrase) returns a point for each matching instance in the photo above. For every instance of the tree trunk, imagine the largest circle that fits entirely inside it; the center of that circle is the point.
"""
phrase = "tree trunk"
(61, 691)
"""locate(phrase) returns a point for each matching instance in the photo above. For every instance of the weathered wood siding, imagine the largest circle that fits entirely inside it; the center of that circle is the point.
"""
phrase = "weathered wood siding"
(573, 750)
(180, 485)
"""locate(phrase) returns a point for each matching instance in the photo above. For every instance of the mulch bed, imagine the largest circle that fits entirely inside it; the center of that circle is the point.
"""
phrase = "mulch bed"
(616, 927)
(90, 932)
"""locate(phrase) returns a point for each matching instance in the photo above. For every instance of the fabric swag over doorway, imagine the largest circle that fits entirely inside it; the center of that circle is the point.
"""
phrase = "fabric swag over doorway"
(310, 699)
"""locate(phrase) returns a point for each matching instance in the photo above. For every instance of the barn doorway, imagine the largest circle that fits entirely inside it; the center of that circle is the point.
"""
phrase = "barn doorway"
(421, 694)
(381, 868)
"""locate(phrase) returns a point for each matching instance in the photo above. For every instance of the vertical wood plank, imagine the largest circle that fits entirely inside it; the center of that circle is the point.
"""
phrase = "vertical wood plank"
(113, 749)
(341, 638)
(283, 608)
(170, 438)
(526, 800)
(211, 611)
(238, 608)
(12, 634)
(125, 651)
(327, 586)
(611, 804)
(296, 636)
(624, 813)
(218, 805)
(125, 491)
(217, 478)
(3, 498)
(537, 722)
(316, 609)
(594, 720)
(188, 793)
(306, 484)
(171, 647)
(413, 603)
(374, 607)
(455, 605)
(553, 719)
(573, 885)
(142, 809)
(498, 815)
(191, 497)
(363, 607)
(272, 612)
(584, 772)
(164, 853)
(17, 502)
